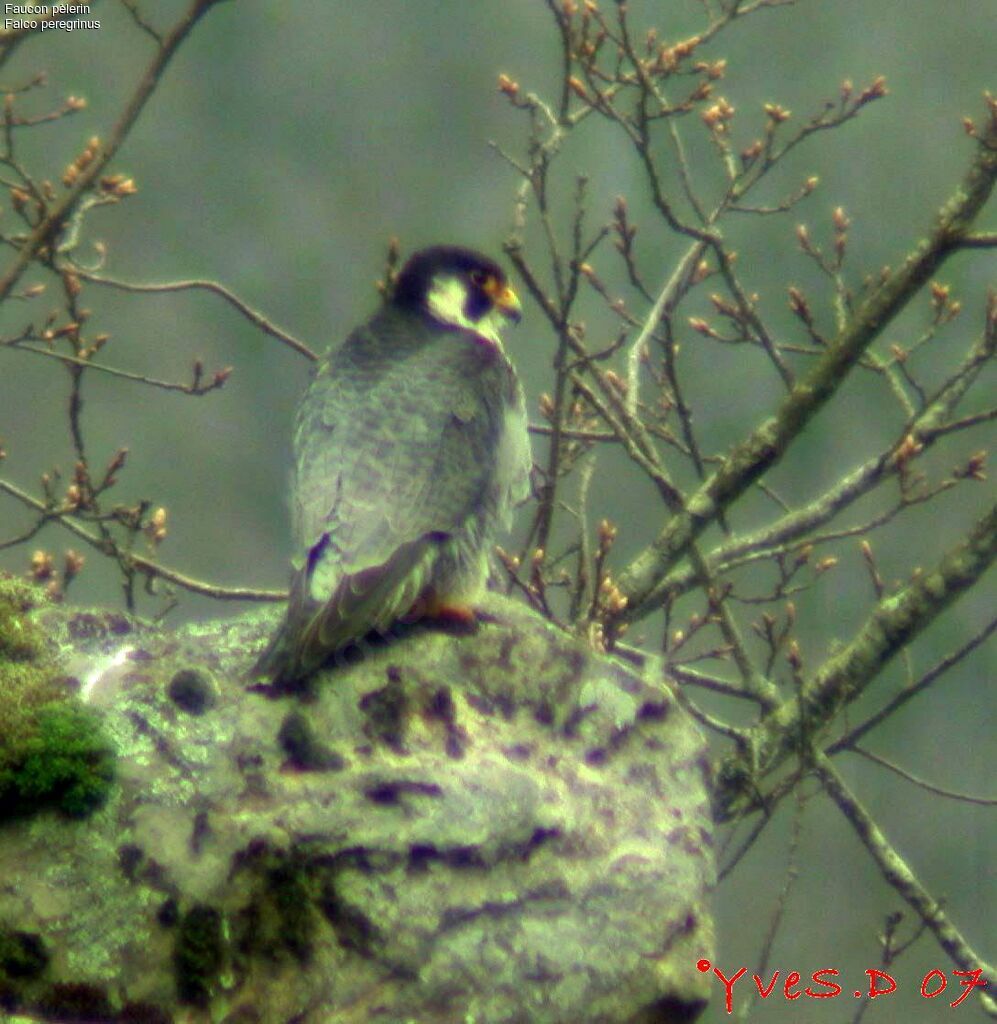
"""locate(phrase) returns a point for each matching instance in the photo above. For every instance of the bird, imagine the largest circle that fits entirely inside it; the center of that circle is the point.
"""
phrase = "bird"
(411, 451)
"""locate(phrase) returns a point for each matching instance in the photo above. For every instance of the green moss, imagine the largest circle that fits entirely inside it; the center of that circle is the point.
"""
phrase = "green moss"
(354, 929)
(143, 1013)
(22, 954)
(67, 762)
(279, 920)
(303, 748)
(27, 676)
(53, 752)
(386, 710)
(292, 901)
(24, 686)
(20, 639)
(197, 956)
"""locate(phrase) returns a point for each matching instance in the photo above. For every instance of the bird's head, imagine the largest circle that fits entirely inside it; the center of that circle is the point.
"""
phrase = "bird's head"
(458, 288)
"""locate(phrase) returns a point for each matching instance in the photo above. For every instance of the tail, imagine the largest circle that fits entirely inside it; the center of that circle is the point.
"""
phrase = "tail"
(368, 601)
(280, 662)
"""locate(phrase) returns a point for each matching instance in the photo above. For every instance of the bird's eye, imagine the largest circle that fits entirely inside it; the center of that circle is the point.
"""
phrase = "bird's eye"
(478, 277)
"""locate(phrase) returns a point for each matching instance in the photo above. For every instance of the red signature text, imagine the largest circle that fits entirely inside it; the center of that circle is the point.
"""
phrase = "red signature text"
(820, 983)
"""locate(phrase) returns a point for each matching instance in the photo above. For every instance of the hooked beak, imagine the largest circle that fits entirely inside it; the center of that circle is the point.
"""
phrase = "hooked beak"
(505, 299)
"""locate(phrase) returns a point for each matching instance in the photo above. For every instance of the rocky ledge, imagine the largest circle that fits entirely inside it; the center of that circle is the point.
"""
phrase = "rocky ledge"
(502, 827)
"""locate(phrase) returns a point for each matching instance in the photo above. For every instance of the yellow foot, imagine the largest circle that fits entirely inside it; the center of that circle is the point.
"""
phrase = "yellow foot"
(460, 619)
(453, 618)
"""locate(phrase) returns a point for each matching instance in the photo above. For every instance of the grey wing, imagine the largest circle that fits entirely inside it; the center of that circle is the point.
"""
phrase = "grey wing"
(389, 462)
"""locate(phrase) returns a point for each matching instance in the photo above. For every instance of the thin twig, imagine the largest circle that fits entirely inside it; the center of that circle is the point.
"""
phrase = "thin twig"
(908, 692)
(670, 290)
(950, 794)
(893, 624)
(195, 390)
(770, 440)
(56, 216)
(254, 316)
(898, 875)
(144, 565)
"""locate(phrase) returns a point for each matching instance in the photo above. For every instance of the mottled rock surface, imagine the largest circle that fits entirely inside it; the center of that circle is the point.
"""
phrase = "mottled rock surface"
(493, 828)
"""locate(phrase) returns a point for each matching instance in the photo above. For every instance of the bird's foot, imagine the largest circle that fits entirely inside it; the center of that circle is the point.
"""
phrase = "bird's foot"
(456, 619)
(459, 620)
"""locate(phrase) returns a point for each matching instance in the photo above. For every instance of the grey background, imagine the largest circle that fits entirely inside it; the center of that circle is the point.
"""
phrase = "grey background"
(288, 141)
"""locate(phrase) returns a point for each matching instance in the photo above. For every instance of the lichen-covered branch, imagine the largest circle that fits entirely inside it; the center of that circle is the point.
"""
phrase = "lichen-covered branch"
(770, 440)
(893, 624)
(900, 877)
(797, 527)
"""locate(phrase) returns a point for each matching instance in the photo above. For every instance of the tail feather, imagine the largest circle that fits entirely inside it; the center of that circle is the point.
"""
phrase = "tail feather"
(370, 600)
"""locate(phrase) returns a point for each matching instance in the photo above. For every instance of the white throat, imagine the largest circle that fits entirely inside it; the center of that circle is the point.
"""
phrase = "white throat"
(446, 301)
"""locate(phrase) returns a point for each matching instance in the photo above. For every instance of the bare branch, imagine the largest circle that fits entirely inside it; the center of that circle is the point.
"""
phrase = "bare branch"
(144, 565)
(672, 288)
(980, 241)
(44, 234)
(766, 445)
(912, 690)
(195, 388)
(253, 316)
(899, 875)
(921, 783)
(133, 9)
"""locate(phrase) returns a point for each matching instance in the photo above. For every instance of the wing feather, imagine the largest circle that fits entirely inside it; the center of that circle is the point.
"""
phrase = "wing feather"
(390, 449)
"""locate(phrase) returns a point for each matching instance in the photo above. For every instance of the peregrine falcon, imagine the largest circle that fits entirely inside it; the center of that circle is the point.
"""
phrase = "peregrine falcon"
(410, 450)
